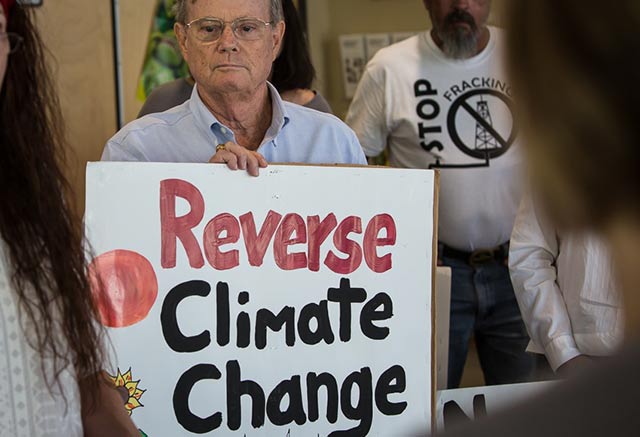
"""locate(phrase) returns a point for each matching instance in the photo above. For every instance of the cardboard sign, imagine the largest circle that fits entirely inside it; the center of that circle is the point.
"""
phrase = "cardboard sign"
(466, 404)
(296, 303)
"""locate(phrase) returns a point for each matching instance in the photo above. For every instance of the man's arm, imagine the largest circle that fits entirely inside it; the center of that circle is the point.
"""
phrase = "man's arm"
(532, 264)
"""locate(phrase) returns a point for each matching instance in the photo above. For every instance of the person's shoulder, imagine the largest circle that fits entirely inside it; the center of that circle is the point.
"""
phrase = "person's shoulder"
(390, 54)
(143, 137)
(303, 114)
(155, 121)
(166, 96)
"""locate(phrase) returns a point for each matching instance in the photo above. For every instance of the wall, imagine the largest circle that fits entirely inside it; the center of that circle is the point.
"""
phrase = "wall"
(78, 34)
(135, 22)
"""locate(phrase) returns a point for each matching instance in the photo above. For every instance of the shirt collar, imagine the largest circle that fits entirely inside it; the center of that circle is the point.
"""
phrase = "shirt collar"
(279, 116)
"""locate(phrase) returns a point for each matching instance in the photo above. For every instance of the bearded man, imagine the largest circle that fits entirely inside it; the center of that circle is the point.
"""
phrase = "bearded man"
(441, 100)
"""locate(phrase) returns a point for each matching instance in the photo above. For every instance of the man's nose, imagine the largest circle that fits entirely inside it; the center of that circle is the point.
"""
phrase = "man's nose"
(228, 40)
(461, 4)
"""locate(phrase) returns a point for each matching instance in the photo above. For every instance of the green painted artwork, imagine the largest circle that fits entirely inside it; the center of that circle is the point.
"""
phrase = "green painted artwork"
(163, 61)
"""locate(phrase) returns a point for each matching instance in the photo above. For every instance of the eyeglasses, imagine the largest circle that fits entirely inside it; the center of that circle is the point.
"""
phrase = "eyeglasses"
(14, 40)
(210, 29)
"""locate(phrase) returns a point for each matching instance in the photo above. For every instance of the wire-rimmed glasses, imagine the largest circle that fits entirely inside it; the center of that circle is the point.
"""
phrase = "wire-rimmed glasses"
(209, 29)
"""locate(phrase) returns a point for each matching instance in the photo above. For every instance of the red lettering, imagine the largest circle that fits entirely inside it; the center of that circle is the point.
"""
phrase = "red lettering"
(291, 224)
(344, 245)
(257, 244)
(173, 227)
(371, 242)
(318, 232)
(212, 241)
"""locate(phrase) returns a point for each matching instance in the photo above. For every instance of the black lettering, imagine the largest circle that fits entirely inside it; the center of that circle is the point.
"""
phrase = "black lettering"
(479, 407)
(222, 313)
(465, 85)
(346, 295)
(243, 323)
(266, 319)
(501, 86)
(432, 145)
(476, 82)
(363, 410)
(423, 87)
(452, 414)
(236, 388)
(319, 312)
(295, 410)
(175, 339)
(184, 416)
(424, 130)
(314, 382)
(435, 144)
(371, 312)
(433, 112)
(486, 82)
(393, 380)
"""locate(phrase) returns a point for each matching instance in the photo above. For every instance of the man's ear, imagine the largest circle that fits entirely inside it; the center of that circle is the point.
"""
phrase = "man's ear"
(278, 38)
(181, 36)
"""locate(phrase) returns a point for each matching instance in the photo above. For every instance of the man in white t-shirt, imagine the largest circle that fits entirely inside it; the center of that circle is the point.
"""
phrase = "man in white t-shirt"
(442, 100)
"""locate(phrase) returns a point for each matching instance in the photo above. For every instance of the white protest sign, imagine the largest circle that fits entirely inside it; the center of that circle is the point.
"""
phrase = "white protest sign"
(296, 303)
(464, 404)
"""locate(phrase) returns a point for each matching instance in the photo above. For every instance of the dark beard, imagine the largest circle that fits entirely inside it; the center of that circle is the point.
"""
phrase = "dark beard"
(457, 42)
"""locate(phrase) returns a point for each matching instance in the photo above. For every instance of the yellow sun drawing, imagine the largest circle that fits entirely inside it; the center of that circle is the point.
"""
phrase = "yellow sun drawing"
(125, 382)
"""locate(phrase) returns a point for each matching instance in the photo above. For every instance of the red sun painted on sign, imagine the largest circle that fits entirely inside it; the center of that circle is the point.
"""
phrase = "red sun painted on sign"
(124, 286)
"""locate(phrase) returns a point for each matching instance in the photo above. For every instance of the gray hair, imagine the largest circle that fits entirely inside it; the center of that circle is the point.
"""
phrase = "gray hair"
(180, 10)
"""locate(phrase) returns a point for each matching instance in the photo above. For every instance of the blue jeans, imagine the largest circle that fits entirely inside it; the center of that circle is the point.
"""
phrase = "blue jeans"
(483, 303)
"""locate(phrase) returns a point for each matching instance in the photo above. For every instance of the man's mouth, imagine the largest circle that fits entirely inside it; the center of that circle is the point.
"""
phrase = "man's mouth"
(229, 66)
(460, 17)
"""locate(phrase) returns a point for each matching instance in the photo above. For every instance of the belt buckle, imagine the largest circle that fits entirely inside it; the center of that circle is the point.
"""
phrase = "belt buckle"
(481, 256)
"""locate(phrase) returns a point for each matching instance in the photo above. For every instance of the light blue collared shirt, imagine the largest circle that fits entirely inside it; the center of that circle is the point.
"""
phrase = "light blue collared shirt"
(190, 133)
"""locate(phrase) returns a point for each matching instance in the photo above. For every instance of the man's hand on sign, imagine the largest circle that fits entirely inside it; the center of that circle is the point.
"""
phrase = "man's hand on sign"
(237, 157)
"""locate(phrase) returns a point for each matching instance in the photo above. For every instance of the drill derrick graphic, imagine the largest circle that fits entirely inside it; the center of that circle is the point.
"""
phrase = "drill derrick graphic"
(484, 140)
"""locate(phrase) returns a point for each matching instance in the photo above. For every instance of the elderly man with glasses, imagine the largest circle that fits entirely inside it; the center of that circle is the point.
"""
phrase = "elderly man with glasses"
(234, 115)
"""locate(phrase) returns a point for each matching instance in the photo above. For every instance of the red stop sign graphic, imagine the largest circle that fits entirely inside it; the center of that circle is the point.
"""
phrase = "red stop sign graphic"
(124, 286)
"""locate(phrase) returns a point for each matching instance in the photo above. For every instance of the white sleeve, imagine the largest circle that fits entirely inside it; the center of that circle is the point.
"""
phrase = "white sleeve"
(367, 112)
(532, 264)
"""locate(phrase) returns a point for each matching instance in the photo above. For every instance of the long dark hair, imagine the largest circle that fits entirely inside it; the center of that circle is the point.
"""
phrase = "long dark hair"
(43, 237)
(293, 68)
(573, 77)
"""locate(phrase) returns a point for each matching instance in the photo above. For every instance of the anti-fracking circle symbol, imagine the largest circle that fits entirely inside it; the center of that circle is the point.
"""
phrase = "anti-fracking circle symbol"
(489, 142)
